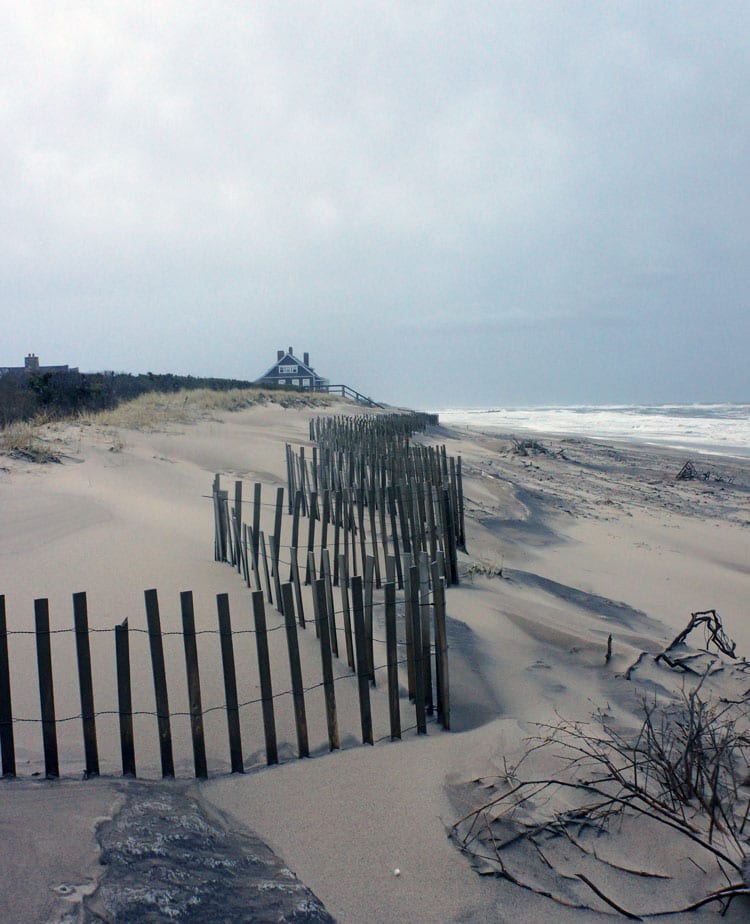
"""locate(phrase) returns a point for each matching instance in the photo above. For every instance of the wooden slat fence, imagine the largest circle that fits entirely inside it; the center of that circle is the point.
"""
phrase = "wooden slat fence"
(332, 687)
(384, 521)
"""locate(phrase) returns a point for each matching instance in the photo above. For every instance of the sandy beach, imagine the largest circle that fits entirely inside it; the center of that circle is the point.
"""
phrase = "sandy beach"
(567, 545)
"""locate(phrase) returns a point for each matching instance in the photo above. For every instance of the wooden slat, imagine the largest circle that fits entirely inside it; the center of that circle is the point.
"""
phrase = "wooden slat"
(160, 683)
(238, 523)
(7, 744)
(345, 611)
(394, 706)
(325, 573)
(257, 492)
(277, 522)
(295, 670)
(391, 495)
(274, 548)
(295, 523)
(374, 537)
(424, 615)
(327, 665)
(368, 589)
(46, 689)
(85, 684)
(336, 536)
(230, 683)
(266, 571)
(124, 699)
(264, 674)
(296, 584)
(441, 646)
(193, 684)
(419, 685)
(365, 713)
(408, 626)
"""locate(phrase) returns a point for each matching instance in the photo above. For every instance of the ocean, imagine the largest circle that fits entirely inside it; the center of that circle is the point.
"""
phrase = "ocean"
(717, 429)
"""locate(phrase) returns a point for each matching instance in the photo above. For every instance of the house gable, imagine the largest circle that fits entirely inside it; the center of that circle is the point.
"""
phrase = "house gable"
(291, 370)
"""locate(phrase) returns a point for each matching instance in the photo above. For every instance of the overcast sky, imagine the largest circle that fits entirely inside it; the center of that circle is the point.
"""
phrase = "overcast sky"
(445, 204)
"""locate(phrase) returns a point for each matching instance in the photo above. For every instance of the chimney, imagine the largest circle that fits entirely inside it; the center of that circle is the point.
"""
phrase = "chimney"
(279, 355)
(291, 351)
(306, 359)
(31, 362)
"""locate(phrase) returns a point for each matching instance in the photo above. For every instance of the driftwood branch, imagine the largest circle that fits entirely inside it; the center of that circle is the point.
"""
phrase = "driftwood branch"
(683, 769)
(713, 631)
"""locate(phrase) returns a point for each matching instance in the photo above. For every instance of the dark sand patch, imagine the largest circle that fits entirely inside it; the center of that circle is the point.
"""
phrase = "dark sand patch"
(166, 857)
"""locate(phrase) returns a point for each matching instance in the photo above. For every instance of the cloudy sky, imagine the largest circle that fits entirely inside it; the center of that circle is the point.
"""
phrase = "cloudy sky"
(446, 204)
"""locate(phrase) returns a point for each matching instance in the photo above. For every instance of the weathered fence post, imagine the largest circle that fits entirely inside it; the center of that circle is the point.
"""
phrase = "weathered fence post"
(309, 578)
(461, 524)
(266, 571)
(295, 524)
(369, 572)
(325, 573)
(85, 685)
(365, 713)
(424, 609)
(277, 525)
(392, 659)
(230, 683)
(408, 626)
(124, 699)
(160, 683)
(295, 669)
(327, 664)
(275, 548)
(238, 523)
(257, 491)
(419, 686)
(264, 673)
(46, 690)
(297, 587)
(7, 745)
(441, 647)
(193, 684)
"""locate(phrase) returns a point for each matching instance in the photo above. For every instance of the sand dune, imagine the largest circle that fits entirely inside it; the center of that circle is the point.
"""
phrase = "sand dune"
(577, 544)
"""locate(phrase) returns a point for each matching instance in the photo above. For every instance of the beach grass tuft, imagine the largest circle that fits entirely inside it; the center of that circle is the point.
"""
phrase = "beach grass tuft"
(23, 440)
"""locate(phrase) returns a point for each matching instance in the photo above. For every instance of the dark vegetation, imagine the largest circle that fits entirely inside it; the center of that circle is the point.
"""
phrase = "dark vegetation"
(60, 394)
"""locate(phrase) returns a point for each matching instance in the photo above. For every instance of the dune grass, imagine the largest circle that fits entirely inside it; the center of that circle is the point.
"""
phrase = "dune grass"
(155, 410)
(149, 412)
(23, 440)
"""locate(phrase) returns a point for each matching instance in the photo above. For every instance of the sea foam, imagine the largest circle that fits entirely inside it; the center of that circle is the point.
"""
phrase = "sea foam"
(722, 429)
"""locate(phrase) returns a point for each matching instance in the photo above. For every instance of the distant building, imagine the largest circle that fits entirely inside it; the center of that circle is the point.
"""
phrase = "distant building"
(291, 371)
(31, 367)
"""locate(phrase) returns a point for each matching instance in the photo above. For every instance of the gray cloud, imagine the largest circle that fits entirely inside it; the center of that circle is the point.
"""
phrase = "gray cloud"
(460, 203)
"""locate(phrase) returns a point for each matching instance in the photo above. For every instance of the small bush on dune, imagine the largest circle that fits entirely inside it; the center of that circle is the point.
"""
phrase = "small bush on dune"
(22, 440)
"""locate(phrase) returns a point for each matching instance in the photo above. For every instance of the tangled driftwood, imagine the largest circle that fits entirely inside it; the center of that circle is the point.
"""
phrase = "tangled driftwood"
(684, 769)
(714, 634)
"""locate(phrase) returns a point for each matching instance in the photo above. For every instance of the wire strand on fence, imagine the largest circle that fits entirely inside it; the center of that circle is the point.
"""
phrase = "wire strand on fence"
(209, 709)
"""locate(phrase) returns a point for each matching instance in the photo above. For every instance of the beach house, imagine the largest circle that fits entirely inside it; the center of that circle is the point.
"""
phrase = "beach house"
(289, 370)
(31, 366)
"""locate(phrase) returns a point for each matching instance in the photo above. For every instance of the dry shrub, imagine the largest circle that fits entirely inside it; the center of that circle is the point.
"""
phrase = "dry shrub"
(482, 566)
(686, 769)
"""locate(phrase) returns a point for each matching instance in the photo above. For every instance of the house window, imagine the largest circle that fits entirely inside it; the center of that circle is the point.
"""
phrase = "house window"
(287, 370)
(306, 383)
(295, 381)
(282, 381)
